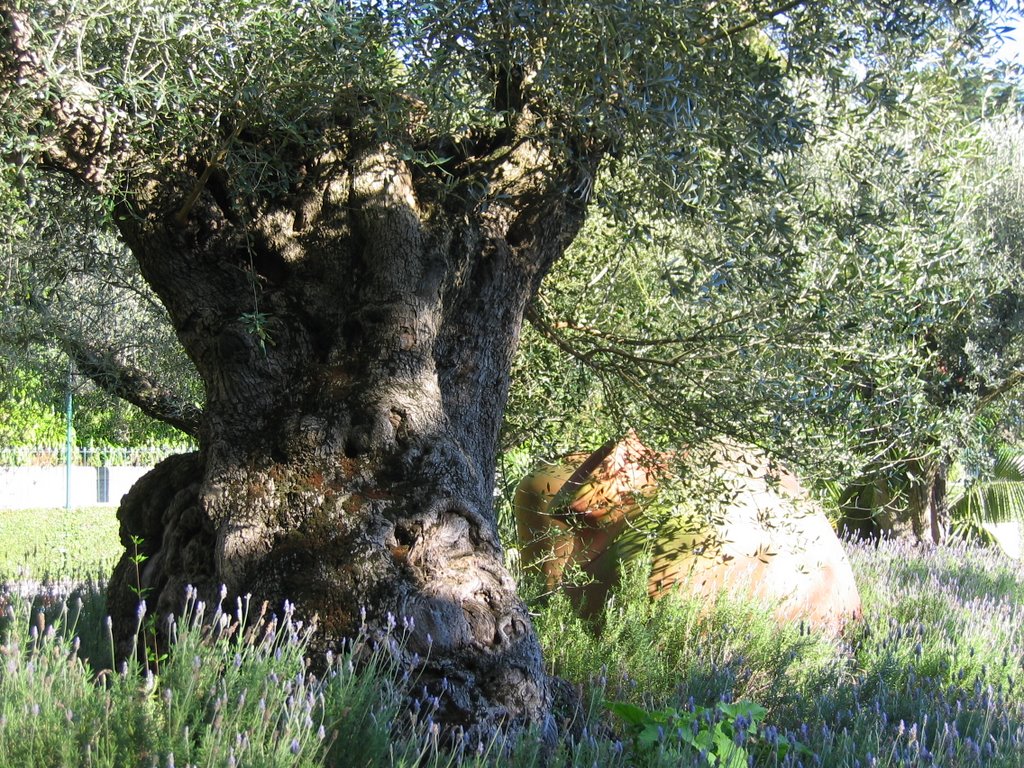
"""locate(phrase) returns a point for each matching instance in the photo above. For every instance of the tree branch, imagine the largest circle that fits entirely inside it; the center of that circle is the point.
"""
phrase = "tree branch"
(990, 395)
(125, 382)
(558, 506)
(757, 18)
(82, 142)
(134, 386)
(616, 348)
(193, 196)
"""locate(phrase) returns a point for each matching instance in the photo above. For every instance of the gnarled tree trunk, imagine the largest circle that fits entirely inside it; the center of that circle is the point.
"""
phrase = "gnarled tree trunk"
(906, 501)
(355, 342)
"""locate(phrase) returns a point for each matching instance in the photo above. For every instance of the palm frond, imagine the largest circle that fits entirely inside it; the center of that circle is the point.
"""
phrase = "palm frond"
(979, 508)
(990, 501)
(1009, 464)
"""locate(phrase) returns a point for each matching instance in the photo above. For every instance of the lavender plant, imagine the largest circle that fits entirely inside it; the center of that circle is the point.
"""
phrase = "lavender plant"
(930, 677)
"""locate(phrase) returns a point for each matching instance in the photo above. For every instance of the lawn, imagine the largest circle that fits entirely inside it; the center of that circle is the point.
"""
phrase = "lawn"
(41, 542)
(930, 677)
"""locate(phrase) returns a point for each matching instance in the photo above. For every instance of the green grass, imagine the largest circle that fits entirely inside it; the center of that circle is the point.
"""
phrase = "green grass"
(932, 676)
(65, 557)
(40, 542)
(677, 650)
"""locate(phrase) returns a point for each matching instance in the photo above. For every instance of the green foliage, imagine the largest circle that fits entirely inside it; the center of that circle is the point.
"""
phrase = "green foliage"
(997, 497)
(256, 90)
(153, 655)
(938, 309)
(862, 310)
(721, 733)
(938, 200)
(256, 324)
(190, 79)
(104, 426)
(28, 415)
(258, 86)
(761, 170)
(646, 650)
(33, 391)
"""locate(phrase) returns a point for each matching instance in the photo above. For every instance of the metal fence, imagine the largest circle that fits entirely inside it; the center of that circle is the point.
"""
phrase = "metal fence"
(88, 456)
(43, 476)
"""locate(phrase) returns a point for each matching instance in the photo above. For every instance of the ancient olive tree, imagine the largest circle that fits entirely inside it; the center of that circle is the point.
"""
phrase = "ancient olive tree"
(345, 209)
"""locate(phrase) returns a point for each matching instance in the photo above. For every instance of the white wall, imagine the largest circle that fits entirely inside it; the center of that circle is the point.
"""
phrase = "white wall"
(31, 487)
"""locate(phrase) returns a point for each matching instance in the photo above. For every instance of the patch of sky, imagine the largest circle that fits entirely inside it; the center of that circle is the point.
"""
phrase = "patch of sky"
(1008, 42)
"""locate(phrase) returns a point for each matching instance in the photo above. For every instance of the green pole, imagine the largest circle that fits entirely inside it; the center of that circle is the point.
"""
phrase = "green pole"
(67, 447)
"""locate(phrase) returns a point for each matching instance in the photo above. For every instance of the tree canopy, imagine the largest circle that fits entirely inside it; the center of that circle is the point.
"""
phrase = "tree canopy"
(238, 96)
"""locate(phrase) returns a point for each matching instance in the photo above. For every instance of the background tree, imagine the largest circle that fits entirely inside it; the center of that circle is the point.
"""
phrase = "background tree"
(941, 303)
(859, 318)
(72, 294)
(344, 211)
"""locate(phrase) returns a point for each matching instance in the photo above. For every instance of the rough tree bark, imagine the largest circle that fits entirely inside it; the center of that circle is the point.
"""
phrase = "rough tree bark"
(927, 515)
(354, 334)
(348, 443)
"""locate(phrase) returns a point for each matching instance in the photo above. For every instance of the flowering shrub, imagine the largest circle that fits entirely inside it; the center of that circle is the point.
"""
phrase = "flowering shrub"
(930, 677)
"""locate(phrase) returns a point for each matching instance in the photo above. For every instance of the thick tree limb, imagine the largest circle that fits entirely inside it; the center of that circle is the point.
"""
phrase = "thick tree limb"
(758, 17)
(122, 381)
(134, 386)
(193, 196)
(82, 142)
(989, 395)
(588, 356)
